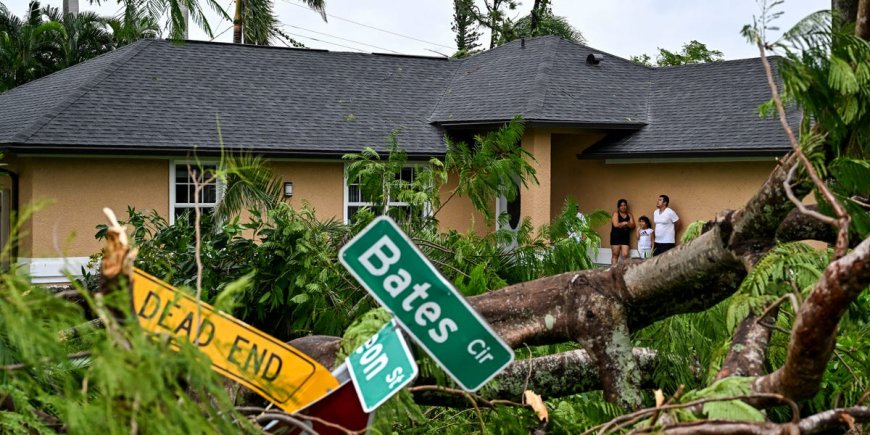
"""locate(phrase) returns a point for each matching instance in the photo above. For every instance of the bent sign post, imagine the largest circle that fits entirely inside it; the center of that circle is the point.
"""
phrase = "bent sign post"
(275, 370)
(397, 275)
(381, 367)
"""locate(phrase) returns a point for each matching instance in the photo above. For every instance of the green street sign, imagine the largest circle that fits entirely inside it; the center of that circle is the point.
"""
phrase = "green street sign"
(396, 273)
(381, 367)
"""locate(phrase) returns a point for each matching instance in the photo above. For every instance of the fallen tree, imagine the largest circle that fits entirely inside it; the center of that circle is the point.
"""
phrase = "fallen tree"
(599, 309)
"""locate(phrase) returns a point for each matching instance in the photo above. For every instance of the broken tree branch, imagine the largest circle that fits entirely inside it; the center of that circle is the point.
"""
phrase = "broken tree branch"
(815, 328)
(749, 347)
(616, 422)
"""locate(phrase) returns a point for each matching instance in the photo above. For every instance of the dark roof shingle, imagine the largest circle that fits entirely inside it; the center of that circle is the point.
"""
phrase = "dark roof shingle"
(156, 96)
(546, 79)
(707, 109)
(169, 97)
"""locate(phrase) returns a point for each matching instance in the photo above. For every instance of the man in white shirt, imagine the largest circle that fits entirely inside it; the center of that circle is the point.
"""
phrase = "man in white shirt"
(666, 228)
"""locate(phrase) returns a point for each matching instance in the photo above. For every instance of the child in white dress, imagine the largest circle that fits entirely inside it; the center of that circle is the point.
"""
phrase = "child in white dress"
(645, 237)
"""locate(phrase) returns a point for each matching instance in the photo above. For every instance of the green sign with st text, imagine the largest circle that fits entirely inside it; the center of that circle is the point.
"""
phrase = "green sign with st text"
(381, 367)
(396, 273)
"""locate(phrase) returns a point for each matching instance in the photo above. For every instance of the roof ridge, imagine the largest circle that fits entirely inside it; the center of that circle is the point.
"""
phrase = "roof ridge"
(39, 123)
(535, 105)
(447, 85)
(609, 54)
(715, 62)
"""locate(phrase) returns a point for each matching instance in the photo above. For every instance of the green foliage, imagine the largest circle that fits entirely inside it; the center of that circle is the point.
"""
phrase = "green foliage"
(642, 59)
(44, 40)
(493, 166)
(692, 353)
(721, 410)
(465, 28)
(249, 183)
(786, 268)
(851, 189)
(692, 52)
(692, 231)
(385, 182)
(581, 412)
(825, 71)
(547, 24)
(127, 380)
(296, 284)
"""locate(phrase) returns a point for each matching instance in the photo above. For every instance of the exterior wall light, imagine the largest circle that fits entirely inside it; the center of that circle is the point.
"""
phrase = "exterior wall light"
(288, 189)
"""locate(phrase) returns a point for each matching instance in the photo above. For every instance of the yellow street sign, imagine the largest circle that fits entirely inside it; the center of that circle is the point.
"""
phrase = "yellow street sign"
(280, 373)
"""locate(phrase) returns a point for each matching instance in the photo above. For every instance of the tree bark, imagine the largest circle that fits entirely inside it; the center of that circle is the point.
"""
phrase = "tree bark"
(799, 226)
(862, 22)
(844, 11)
(839, 420)
(749, 347)
(557, 375)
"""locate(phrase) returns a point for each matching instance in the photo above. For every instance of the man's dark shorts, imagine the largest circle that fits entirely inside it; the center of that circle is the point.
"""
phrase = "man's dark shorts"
(661, 248)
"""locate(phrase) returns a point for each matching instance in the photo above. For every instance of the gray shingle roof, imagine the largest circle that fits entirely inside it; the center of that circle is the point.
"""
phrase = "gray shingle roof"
(707, 109)
(155, 96)
(159, 96)
(547, 79)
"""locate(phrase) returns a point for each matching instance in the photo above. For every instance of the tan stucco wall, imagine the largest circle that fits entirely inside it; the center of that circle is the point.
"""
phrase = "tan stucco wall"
(536, 199)
(74, 190)
(458, 213)
(81, 187)
(321, 184)
(78, 189)
(698, 190)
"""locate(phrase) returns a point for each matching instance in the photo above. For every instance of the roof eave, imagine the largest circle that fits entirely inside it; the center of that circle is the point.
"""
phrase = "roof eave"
(85, 150)
(544, 123)
(616, 155)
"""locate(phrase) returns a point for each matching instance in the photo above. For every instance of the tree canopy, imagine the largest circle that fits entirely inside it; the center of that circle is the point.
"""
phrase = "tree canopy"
(44, 41)
(692, 52)
(468, 18)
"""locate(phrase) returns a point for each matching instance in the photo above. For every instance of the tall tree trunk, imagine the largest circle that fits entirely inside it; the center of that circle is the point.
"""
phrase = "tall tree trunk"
(844, 11)
(70, 7)
(535, 18)
(238, 21)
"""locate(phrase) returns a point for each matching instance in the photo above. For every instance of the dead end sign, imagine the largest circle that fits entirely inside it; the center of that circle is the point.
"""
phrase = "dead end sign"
(277, 371)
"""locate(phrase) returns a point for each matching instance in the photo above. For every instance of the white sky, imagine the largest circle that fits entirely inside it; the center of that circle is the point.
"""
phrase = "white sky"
(620, 27)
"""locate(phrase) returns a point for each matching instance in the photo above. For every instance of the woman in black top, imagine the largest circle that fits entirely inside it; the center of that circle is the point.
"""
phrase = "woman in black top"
(621, 223)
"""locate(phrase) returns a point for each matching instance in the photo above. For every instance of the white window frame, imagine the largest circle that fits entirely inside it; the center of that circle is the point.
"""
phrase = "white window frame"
(427, 210)
(172, 184)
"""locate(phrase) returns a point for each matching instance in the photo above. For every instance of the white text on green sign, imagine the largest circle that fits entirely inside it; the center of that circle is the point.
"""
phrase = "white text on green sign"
(381, 367)
(396, 273)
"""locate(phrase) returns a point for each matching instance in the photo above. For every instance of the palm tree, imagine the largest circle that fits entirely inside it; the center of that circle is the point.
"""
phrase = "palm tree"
(28, 47)
(248, 183)
(541, 22)
(84, 36)
(45, 40)
(255, 21)
(135, 24)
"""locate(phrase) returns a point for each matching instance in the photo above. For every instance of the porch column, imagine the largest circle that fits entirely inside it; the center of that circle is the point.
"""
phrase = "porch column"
(535, 199)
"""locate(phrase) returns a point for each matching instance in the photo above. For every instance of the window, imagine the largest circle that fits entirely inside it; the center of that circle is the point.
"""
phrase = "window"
(181, 190)
(355, 200)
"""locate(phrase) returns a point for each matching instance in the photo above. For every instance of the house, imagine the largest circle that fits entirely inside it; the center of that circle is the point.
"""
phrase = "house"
(118, 130)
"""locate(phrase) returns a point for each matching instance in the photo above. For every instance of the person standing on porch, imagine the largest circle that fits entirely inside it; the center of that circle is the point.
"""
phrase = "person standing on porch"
(666, 226)
(621, 223)
(645, 237)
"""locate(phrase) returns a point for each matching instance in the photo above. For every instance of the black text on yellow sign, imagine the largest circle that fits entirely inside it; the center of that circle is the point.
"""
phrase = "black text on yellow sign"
(277, 371)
